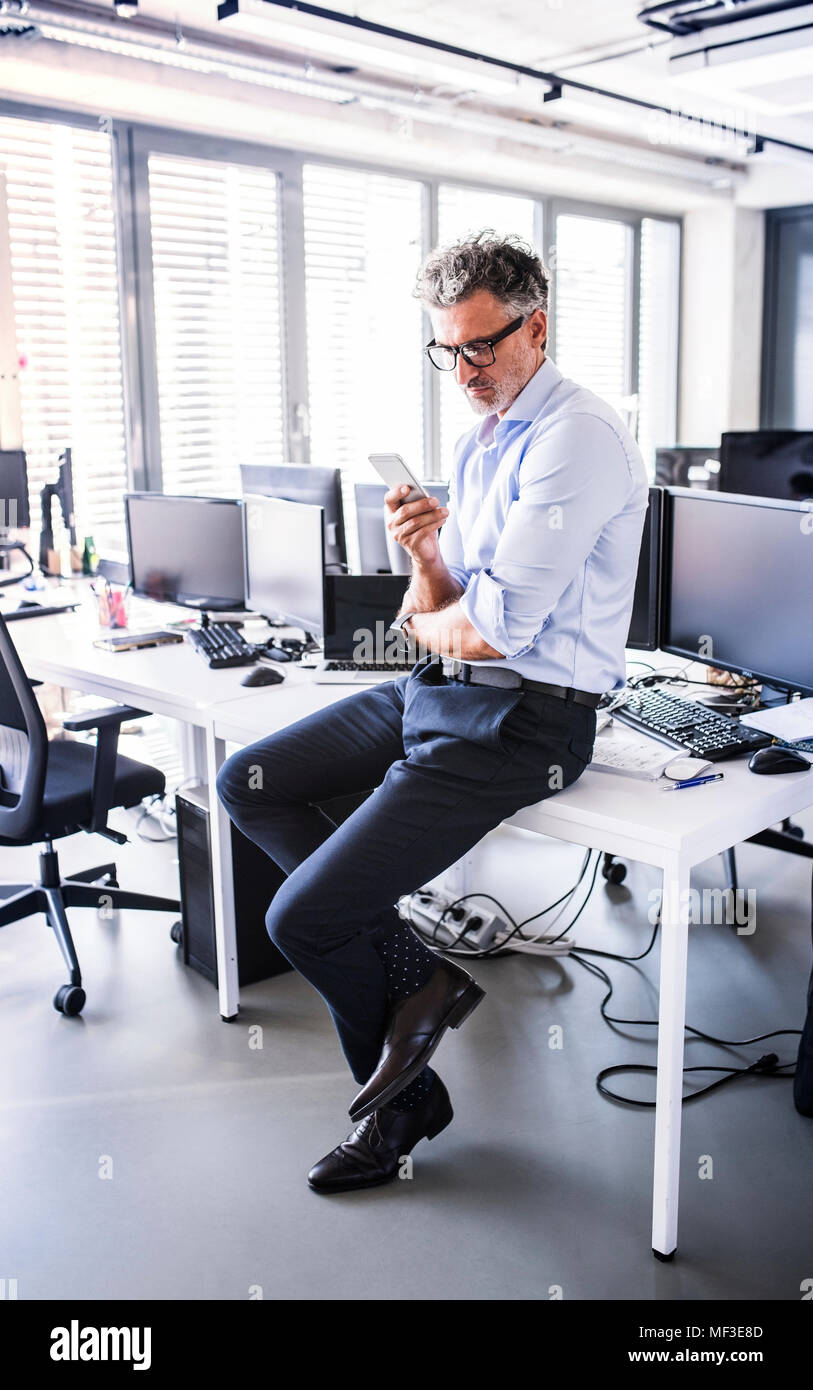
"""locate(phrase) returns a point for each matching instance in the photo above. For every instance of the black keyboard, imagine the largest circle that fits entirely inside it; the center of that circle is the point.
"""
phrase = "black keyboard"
(222, 645)
(405, 665)
(37, 610)
(705, 733)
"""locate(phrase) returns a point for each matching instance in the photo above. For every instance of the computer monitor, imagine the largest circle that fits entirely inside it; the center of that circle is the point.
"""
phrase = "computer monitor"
(768, 463)
(303, 482)
(737, 579)
(687, 466)
(359, 603)
(186, 550)
(285, 561)
(371, 524)
(644, 632)
(14, 509)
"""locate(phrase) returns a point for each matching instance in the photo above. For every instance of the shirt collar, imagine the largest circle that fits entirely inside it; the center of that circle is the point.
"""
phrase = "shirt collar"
(530, 403)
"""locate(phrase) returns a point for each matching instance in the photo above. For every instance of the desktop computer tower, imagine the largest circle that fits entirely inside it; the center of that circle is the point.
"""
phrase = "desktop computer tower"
(256, 879)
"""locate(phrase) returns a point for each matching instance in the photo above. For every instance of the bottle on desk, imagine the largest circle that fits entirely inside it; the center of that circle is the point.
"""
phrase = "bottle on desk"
(89, 556)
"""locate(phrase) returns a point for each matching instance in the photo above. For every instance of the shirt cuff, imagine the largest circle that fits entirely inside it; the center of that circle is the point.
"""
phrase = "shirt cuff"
(483, 603)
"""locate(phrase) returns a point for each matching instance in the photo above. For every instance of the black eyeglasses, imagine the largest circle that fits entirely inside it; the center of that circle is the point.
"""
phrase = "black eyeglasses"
(478, 353)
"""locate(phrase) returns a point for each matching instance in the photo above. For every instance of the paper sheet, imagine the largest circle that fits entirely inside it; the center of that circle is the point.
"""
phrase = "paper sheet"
(785, 721)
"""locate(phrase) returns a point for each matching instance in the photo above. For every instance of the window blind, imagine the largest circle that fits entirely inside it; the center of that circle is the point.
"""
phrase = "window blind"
(362, 253)
(66, 317)
(592, 306)
(215, 234)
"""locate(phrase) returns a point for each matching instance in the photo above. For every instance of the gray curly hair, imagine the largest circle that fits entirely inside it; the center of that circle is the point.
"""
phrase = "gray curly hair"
(506, 266)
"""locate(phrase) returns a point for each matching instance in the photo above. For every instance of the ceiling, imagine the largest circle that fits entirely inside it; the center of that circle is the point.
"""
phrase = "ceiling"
(525, 31)
(597, 42)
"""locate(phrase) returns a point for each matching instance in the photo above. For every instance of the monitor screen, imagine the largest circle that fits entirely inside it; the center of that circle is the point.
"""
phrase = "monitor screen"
(768, 463)
(13, 490)
(687, 466)
(285, 561)
(738, 575)
(304, 482)
(186, 550)
(644, 634)
(371, 523)
(358, 603)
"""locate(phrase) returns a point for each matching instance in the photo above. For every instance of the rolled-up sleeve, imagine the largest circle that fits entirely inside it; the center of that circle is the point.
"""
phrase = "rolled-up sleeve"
(572, 479)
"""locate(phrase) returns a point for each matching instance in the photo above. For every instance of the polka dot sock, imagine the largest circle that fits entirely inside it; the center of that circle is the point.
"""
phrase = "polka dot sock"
(408, 964)
(415, 1093)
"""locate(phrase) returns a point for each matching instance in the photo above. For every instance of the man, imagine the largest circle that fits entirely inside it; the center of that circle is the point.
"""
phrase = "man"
(530, 583)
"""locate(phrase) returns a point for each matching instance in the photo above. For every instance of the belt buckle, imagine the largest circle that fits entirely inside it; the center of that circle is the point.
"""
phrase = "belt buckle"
(452, 669)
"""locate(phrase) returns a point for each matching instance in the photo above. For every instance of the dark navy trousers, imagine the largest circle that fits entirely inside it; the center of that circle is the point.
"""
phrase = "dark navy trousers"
(448, 762)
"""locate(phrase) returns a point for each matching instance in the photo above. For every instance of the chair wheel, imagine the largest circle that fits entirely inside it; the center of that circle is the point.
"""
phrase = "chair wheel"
(112, 882)
(176, 933)
(69, 1000)
(797, 831)
(614, 873)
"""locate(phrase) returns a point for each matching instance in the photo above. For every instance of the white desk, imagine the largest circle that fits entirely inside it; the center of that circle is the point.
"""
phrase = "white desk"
(619, 815)
(171, 680)
(623, 816)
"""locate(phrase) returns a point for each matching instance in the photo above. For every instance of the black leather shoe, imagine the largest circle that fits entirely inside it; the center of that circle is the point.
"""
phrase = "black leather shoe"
(415, 1027)
(371, 1154)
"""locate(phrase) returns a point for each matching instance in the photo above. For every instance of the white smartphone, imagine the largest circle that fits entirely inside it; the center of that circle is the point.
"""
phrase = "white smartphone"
(393, 470)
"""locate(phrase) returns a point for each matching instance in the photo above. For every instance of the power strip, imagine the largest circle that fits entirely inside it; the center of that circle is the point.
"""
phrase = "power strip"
(464, 926)
(475, 928)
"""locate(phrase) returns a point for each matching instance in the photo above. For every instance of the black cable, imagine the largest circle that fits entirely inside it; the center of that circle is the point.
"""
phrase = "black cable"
(622, 1068)
(502, 948)
(767, 1065)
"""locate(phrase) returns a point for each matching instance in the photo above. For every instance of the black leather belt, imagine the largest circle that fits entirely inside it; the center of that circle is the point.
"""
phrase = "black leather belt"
(508, 679)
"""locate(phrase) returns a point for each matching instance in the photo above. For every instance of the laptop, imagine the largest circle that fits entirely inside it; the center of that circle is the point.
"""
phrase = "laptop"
(358, 648)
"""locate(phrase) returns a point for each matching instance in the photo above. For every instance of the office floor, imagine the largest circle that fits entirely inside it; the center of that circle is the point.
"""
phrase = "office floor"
(152, 1151)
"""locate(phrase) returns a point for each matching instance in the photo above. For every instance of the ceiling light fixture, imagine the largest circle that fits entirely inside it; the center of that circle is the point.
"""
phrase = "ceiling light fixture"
(190, 58)
(317, 32)
(380, 45)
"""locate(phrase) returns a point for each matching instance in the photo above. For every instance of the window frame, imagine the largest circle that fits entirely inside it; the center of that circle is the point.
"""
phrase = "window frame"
(132, 142)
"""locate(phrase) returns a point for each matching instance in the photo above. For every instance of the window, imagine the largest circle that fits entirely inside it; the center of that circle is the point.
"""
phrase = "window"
(787, 363)
(365, 368)
(462, 211)
(65, 309)
(592, 306)
(218, 322)
(658, 337)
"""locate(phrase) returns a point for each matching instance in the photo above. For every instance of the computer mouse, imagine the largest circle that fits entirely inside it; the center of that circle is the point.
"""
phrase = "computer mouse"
(263, 675)
(777, 759)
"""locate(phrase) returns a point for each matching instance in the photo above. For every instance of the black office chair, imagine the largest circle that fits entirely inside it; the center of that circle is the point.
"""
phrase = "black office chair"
(52, 789)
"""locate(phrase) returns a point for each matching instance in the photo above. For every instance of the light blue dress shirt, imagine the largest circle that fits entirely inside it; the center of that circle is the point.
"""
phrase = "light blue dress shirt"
(546, 511)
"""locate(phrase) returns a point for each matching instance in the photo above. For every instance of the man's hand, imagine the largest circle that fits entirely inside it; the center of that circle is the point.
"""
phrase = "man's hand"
(415, 525)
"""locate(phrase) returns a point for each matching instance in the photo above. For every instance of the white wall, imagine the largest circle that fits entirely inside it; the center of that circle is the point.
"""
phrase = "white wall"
(723, 271)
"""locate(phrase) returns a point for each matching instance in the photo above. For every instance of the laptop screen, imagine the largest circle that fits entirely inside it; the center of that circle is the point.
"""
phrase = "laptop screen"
(357, 605)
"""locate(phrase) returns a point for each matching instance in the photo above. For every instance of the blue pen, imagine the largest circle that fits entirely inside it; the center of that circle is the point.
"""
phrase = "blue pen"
(694, 782)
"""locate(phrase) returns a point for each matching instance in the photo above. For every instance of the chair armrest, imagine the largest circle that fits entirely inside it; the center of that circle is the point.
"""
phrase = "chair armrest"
(102, 718)
(107, 723)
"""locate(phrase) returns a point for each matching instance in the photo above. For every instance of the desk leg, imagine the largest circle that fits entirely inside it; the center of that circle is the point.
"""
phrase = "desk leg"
(222, 885)
(671, 1020)
(193, 752)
